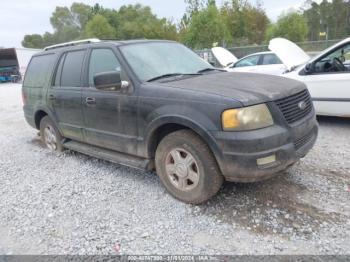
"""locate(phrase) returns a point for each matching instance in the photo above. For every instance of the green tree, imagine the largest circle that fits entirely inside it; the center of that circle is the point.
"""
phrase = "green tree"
(312, 16)
(292, 26)
(332, 17)
(137, 21)
(247, 23)
(80, 20)
(206, 28)
(33, 41)
(81, 14)
(68, 25)
(99, 27)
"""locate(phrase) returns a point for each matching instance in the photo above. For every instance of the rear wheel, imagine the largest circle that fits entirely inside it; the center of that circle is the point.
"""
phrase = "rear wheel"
(187, 167)
(50, 135)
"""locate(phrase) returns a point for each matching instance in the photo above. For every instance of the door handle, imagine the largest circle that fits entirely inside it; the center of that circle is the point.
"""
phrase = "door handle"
(52, 98)
(90, 101)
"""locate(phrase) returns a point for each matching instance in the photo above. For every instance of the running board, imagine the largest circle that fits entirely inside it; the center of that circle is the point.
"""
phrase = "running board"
(109, 155)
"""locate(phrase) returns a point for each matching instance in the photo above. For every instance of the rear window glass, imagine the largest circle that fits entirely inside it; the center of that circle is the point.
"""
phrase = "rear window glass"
(71, 72)
(271, 59)
(39, 70)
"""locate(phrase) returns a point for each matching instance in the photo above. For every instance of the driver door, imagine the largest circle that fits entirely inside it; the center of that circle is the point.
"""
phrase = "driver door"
(330, 91)
(110, 116)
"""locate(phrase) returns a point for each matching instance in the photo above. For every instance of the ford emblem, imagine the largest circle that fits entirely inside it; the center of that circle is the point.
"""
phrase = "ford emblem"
(302, 105)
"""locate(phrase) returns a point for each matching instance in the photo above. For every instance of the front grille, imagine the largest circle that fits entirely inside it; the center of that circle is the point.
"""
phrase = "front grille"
(299, 143)
(295, 107)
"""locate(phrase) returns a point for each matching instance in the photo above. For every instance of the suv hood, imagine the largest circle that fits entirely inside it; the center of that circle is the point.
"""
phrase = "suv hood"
(290, 54)
(224, 57)
(247, 88)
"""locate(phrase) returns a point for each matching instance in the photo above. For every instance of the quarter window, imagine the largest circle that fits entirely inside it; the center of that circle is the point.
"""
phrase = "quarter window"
(102, 60)
(72, 68)
(38, 70)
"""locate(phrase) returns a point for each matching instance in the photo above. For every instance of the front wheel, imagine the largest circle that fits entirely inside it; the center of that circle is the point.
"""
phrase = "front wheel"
(50, 135)
(187, 167)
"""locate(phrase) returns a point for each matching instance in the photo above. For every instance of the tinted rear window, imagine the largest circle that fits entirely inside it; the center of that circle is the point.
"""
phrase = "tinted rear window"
(39, 70)
(71, 72)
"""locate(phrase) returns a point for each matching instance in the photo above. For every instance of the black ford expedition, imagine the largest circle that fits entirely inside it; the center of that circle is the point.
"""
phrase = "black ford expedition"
(157, 105)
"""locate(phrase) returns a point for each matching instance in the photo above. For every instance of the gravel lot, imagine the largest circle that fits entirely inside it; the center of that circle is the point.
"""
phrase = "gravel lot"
(74, 204)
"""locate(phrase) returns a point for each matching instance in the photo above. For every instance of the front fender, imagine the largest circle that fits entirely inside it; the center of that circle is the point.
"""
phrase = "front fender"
(190, 118)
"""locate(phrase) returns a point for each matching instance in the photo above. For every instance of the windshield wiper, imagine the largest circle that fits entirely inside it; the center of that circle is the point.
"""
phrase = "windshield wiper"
(170, 75)
(210, 69)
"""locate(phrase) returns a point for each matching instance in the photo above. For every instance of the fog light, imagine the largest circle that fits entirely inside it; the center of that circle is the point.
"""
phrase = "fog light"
(266, 160)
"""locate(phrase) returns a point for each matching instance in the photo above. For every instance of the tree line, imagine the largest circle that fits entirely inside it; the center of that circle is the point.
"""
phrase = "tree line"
(236, 22)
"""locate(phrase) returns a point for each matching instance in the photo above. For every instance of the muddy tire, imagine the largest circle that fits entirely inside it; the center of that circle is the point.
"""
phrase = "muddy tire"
(50, 135)
(187, 167)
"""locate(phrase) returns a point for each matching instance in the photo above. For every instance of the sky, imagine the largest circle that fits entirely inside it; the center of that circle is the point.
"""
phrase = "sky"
(21, 17)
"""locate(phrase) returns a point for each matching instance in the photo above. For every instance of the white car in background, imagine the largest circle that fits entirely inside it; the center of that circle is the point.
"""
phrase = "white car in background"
(263, 62)
(327, 75)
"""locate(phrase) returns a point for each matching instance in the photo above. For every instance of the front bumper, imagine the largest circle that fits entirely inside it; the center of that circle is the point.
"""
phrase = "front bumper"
(241, 151)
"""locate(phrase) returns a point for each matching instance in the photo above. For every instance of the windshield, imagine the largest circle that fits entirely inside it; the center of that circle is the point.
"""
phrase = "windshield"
(155, 59)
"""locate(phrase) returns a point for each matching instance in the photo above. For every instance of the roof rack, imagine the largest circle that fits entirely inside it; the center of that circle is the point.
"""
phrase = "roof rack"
(73, 43)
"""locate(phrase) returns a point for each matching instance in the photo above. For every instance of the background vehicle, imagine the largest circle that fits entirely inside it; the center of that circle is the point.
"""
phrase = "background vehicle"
(156, 104)
(14, 62)
(263, 62)
(327, 75)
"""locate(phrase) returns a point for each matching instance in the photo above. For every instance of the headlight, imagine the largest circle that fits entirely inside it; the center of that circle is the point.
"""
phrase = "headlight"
(247, 118)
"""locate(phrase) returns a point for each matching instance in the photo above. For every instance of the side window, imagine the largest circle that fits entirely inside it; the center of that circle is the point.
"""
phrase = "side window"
(102, 60)
(271, 59)
(337, 61)
(345, 57)
(249, 61)
(39, 70)
(72, 68)
(59, 71)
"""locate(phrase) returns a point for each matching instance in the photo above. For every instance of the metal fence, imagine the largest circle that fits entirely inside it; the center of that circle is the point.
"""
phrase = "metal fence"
(311, 47)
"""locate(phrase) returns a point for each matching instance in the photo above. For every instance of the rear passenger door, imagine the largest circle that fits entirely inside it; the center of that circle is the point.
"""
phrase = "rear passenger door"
(64, 97)
(110, 116)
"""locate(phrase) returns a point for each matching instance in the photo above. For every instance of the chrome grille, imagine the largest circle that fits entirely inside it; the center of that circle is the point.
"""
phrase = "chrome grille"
(295, 107)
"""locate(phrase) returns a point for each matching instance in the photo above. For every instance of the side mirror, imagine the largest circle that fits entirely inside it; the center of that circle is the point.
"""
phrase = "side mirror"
(309, 68)
(109, 81)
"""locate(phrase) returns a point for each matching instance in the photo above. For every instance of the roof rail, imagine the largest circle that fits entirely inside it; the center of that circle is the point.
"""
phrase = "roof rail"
(73, 43)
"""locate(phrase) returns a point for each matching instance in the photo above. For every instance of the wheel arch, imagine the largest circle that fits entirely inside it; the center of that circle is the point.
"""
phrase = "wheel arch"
(39, 115)
(168, 125)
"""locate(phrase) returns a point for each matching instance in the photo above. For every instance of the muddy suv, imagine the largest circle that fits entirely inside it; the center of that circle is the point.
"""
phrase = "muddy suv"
(157, 105)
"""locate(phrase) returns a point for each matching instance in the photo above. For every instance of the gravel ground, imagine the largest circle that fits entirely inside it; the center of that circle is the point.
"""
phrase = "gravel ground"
(74, 204)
